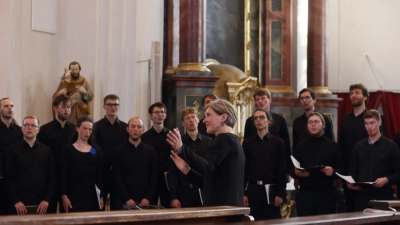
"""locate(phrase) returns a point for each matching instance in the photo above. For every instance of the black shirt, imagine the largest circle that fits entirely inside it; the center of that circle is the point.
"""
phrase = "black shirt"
(300, 130)
(315, 152)
(200, 146)
(372, 161)
(265, 160)
(30, 171)
(397, 139)
(8, 136)
(135, 171)
(80, 172)
(278, 128)
(109, 137)
(352, 130)
(159, 142)
(57, 138)
(222, 168)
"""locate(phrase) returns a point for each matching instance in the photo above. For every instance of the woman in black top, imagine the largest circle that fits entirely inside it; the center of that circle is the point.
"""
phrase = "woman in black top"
(81, 171)
(223, 166)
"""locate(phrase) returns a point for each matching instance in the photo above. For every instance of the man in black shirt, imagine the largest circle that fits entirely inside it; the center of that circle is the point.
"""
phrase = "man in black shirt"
(110, 132)
(374, 159)
(134, 169)
(308, 98)
(352, 130)
(156, 137)
(316, 195)
(279, 128)
(30, 171)
(185, 191)
(264, 168)
(56, 135)
(10, 133)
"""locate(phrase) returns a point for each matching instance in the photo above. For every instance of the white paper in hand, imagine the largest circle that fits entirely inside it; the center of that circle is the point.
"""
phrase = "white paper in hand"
(98, 195)
(346, 178)
(296, 163)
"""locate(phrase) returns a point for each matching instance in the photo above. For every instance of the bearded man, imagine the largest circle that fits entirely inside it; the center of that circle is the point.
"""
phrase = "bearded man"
(10, 133)
(353, 130)
(55, 135)
(77, 87)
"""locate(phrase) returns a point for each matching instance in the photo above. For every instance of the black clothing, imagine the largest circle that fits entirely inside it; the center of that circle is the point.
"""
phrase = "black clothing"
(181, 187)
(397, 139)
(300, 129)
(315, 152)
(109, 137)
(135, 173)
(259, 207)
(80, 172)
(159, 142)
(370, 162)
(203, 129)
(57, 138)
(278, 128)
(30, 172)
(316, 202)
(222, 168)
(352, 130)
(8, 136)
(265, 161)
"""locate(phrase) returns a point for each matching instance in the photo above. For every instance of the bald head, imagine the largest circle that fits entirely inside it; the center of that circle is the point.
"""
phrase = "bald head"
(135, 128)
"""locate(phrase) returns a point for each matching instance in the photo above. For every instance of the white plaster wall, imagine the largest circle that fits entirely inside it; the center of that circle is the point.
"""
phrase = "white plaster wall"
(107, 37)
(361, 28)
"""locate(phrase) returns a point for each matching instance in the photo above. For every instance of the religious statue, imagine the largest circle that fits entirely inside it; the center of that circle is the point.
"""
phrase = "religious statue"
(76, 86)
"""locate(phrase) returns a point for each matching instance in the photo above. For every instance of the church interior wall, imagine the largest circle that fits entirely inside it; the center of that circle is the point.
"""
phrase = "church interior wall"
(106, 37)
(363, 44)
(109, 37)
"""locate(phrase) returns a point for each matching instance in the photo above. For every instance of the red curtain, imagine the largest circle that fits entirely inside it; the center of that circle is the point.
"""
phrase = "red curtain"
(390, 106)
(391, 110)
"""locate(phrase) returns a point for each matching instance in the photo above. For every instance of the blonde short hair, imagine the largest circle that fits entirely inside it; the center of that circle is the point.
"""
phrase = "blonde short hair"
(221, 106)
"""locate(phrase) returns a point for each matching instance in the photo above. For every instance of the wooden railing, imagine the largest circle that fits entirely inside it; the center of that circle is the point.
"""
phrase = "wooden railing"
(201, 215)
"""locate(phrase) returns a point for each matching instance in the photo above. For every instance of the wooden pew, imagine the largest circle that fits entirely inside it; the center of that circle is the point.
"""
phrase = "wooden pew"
(201, 215)
(375, 218)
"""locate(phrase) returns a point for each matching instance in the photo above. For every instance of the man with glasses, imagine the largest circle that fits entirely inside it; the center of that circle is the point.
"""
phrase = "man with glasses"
(55, 135)
(110, 132)
(30, 171)
(156, 137)
(308, 98)
(316, 195)
(184, 190)
(265, 169)
(10, 133)
(279, 128)
(135, 169)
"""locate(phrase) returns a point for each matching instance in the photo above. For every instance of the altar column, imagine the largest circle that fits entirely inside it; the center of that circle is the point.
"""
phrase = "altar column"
(191, 80)
(317, 57)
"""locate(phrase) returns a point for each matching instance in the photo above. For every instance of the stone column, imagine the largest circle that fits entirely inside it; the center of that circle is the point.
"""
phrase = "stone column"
(172, 36)
(317, 62)
(192, 38)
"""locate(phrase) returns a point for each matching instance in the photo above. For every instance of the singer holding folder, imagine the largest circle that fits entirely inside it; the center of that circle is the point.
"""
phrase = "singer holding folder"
(316, 195)
(374, 159)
